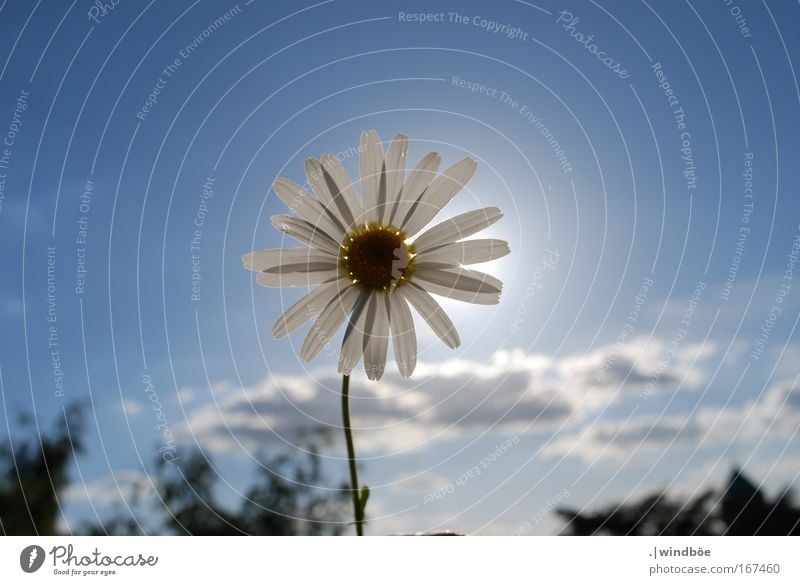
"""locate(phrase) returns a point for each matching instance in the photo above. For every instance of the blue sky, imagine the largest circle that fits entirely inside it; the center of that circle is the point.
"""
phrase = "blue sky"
(646, 337)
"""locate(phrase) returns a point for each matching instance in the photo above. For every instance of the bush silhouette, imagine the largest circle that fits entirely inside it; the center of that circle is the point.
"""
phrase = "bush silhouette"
(285, 498)
(34, 473)
(740, 509)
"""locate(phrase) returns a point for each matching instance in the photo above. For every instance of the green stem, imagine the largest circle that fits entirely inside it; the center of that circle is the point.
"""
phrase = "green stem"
(351, 456)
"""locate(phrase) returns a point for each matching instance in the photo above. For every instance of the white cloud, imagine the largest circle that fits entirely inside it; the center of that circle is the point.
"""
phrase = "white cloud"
(131, 407)
(423, 483)
(513, 392)
(783, 471)
(616, 439)
(113, 489)
(777, 414)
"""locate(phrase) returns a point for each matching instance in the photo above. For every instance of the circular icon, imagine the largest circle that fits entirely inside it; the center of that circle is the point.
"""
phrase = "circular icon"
(31, 558)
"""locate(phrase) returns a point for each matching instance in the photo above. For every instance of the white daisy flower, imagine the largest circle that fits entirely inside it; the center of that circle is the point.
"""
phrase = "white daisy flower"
(370, 260)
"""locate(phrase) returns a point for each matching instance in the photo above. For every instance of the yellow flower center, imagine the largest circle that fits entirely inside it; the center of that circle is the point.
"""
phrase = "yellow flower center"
(376, 256)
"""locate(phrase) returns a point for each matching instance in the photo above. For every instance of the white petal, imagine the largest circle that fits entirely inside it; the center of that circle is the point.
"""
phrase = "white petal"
(306, 207)
(460, 284)
(376, 336)
(267, 259)
(353, 342)
(457, 228)
(314, 176)
(308, 307)
(439, 194)
(291, 267)
(371, 165)
(328, 322)
(404, 338)
(432, 312)
(316, 274)
(395, 173)
(419, 179)
(303, 231)
(467, 252)
(335, 174)
(329, 195)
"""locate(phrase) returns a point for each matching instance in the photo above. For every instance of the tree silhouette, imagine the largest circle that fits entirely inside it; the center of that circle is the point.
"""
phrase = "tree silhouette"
(740, 509)
(285, 499)
(746, 511)
(34, 472)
